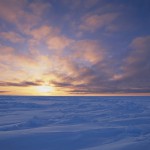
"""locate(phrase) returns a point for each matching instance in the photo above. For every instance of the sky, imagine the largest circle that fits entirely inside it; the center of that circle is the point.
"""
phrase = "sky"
(75, 47)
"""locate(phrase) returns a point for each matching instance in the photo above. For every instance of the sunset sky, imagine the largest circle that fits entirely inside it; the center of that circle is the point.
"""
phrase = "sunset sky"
(75, 47)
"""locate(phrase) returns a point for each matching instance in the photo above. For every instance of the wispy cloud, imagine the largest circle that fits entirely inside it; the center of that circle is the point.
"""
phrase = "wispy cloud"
(137, 65)
(58, 42)
(20, 84)
(4, 91)
(93, 22)
(12, 37)
(16, 13)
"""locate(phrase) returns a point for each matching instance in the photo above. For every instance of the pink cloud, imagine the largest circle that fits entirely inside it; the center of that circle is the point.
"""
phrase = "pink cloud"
(8, 9)
(41, 32)
(58, 42)
(139, 50)
(12, 37)
(6, 50)
(141, 43)
(88, 50)
(15, 12)
(136, 64)
(93, 22)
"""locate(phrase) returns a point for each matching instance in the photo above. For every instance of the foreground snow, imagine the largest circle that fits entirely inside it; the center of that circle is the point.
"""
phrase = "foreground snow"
(74, 123)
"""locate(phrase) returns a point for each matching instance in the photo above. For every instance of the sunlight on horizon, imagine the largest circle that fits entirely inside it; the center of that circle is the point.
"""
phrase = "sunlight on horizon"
(45, 89)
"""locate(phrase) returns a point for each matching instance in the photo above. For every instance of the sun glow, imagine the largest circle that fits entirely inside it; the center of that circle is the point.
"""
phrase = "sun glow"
(45, 89)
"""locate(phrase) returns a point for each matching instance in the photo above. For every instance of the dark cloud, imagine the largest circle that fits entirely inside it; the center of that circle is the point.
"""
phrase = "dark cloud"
(61, 84)
(4, 91)
(20, 84)
(105, 87)
(132, 75)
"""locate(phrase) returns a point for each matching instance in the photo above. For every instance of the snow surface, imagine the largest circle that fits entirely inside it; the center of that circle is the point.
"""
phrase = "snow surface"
(74, 123)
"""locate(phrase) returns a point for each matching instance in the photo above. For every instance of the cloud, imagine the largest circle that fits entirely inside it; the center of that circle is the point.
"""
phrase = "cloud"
(12, 37)
(112, 90)
(43, 46)
(6, 50)
(61, 84)
(135, 68)
(10, 57)
(20, 84)
(92, 22)
(74, 60)
(137, 61)
(82, 66)
(21, 65)
(131, 76)
(41, 32)
(50, 37)
(89, 51)
(22, 14)
(8, 9)
(4, 92)
(38, 8)
(83, 77)
(58, 42)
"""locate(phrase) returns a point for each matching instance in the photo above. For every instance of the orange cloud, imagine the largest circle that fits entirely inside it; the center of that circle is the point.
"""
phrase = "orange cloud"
(22, 66)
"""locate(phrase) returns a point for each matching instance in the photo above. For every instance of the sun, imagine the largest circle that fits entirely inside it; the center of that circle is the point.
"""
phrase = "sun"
(45, 89)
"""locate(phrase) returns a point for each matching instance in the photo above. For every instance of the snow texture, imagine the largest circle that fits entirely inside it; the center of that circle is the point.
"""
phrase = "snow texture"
(74, 123)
